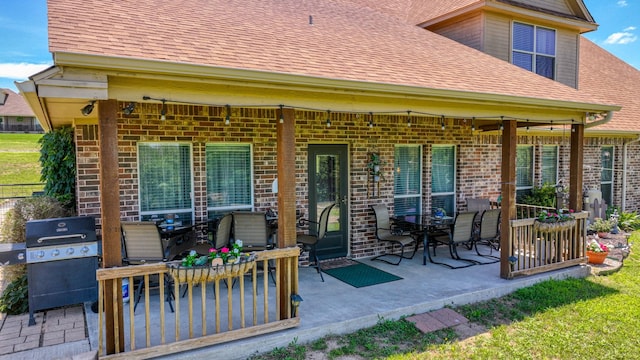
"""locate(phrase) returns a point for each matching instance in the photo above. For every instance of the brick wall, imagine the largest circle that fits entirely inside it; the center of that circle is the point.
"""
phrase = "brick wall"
(478, 157)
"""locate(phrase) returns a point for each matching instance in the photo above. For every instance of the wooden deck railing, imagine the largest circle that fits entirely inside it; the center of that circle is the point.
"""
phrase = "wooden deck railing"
(524, 211)
(534, 250)
(151, 331)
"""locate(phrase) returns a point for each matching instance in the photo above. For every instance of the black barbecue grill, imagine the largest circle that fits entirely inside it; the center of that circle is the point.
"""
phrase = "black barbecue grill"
(62, 259)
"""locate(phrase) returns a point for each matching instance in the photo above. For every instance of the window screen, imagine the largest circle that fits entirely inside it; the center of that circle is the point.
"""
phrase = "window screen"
(407, 180)
(229, 177)
(534, 49)
(524, 170)
(165, 180)
(443, 178)
(606, 174)
(550, 164)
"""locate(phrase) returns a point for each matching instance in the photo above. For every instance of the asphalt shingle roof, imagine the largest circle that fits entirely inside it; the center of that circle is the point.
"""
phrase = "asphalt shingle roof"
(604, 74)
(345, 41)
(14, 105)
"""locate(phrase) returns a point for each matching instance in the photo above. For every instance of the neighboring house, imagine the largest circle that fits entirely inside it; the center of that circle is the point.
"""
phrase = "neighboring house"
(15, 114)
(198, 106)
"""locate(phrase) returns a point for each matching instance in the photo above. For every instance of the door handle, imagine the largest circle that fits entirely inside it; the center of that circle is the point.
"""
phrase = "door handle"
(344, 199)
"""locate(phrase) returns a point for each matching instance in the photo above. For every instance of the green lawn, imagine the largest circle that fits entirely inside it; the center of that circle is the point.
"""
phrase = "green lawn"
(592, 318)
(19, 161)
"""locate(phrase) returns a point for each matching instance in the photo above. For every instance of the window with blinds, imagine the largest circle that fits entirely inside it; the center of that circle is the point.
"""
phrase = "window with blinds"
(550, 164)
(229, 178)
(534, 49)
(407, 180)
(443, 178)
(606, 174)
(524, 170)
(165, 181)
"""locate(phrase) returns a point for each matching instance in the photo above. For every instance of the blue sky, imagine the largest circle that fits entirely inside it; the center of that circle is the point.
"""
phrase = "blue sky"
(24, 48)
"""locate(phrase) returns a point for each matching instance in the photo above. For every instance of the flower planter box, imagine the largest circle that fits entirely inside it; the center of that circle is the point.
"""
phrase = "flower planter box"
(548, 227)
(196, 274)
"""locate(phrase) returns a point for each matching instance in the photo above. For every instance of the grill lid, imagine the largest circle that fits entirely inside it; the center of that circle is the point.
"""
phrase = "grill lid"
(60, 231)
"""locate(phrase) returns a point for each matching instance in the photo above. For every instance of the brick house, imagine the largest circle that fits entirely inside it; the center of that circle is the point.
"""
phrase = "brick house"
(196, 108)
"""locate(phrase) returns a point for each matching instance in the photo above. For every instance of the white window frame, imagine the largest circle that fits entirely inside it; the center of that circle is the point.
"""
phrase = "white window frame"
(531, 167)
(406, 195)
(153, 214)
(534, 53)
(557, 163)
(612, 150)
(211, 210)
(455, 175)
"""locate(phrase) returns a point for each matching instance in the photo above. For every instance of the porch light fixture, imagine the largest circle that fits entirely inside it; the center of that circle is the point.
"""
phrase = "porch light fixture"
(442, 122)
(328, 118)
(163, 112)
(551, 128)
(527, 125)
(295, 302)
(408, 118)
(371, 120)
(473, 124)
(281, 114)
(129, 108)
(87, 109)
(501, 123)
(227, 118)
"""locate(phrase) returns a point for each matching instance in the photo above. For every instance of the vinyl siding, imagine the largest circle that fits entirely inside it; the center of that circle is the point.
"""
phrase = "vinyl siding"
(554, 5)
(467, 31)
(497, 42)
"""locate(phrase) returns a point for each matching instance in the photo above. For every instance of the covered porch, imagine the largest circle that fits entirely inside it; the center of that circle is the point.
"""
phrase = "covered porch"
(334, 307)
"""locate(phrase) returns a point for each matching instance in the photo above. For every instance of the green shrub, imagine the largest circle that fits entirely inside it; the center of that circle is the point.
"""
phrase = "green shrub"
(541, 196)
(14, 224)
(629, 221)
(15, 299)
(58, 160)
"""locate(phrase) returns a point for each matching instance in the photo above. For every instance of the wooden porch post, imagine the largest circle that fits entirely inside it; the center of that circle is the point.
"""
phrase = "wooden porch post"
(110, 214)
(508, 203)
(576, 162)
(286, 159)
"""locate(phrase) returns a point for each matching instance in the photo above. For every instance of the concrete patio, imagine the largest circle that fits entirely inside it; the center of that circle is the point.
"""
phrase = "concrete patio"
(334, 307)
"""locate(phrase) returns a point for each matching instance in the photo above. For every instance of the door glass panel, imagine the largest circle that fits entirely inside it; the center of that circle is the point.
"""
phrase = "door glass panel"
(328, 188)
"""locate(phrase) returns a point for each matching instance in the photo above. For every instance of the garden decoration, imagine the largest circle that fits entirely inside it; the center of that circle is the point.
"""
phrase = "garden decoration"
(551, 222)
(218, 264)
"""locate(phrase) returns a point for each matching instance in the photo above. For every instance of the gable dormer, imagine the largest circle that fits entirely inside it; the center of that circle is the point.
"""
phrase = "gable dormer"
(541, 36)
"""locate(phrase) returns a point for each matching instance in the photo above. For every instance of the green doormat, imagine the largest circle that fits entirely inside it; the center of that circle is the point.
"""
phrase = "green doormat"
(361, 275)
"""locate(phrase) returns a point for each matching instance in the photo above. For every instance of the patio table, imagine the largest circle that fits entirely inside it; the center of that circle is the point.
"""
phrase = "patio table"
(423, 225)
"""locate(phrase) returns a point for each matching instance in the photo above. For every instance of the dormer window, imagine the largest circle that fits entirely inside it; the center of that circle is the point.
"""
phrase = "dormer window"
(534, 49)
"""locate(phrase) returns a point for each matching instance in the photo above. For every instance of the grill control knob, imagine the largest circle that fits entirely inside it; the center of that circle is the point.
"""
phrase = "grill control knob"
(40, 254)
(55, 252)
(70, 251)
(84, 250)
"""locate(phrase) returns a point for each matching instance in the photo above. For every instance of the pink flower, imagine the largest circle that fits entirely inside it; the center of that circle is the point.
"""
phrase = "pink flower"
(212, 250)
(224, 250)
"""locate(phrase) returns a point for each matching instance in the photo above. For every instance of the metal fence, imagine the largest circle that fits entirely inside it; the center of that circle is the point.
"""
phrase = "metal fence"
(10, 193)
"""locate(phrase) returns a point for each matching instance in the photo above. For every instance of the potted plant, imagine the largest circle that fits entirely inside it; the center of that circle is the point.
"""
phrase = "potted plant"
(601, 226)
(596, 252)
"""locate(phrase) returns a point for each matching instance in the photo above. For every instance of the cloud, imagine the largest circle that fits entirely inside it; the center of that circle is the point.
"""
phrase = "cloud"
(20, 71)
(622, 3)
(630, 28)
(622, 38)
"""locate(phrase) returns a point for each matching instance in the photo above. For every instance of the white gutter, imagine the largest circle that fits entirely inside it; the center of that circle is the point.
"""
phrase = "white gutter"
(606, 119)
(624, 173)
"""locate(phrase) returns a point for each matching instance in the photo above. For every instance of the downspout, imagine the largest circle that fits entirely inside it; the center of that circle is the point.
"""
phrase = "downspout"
(624, 172)
(606, 119)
